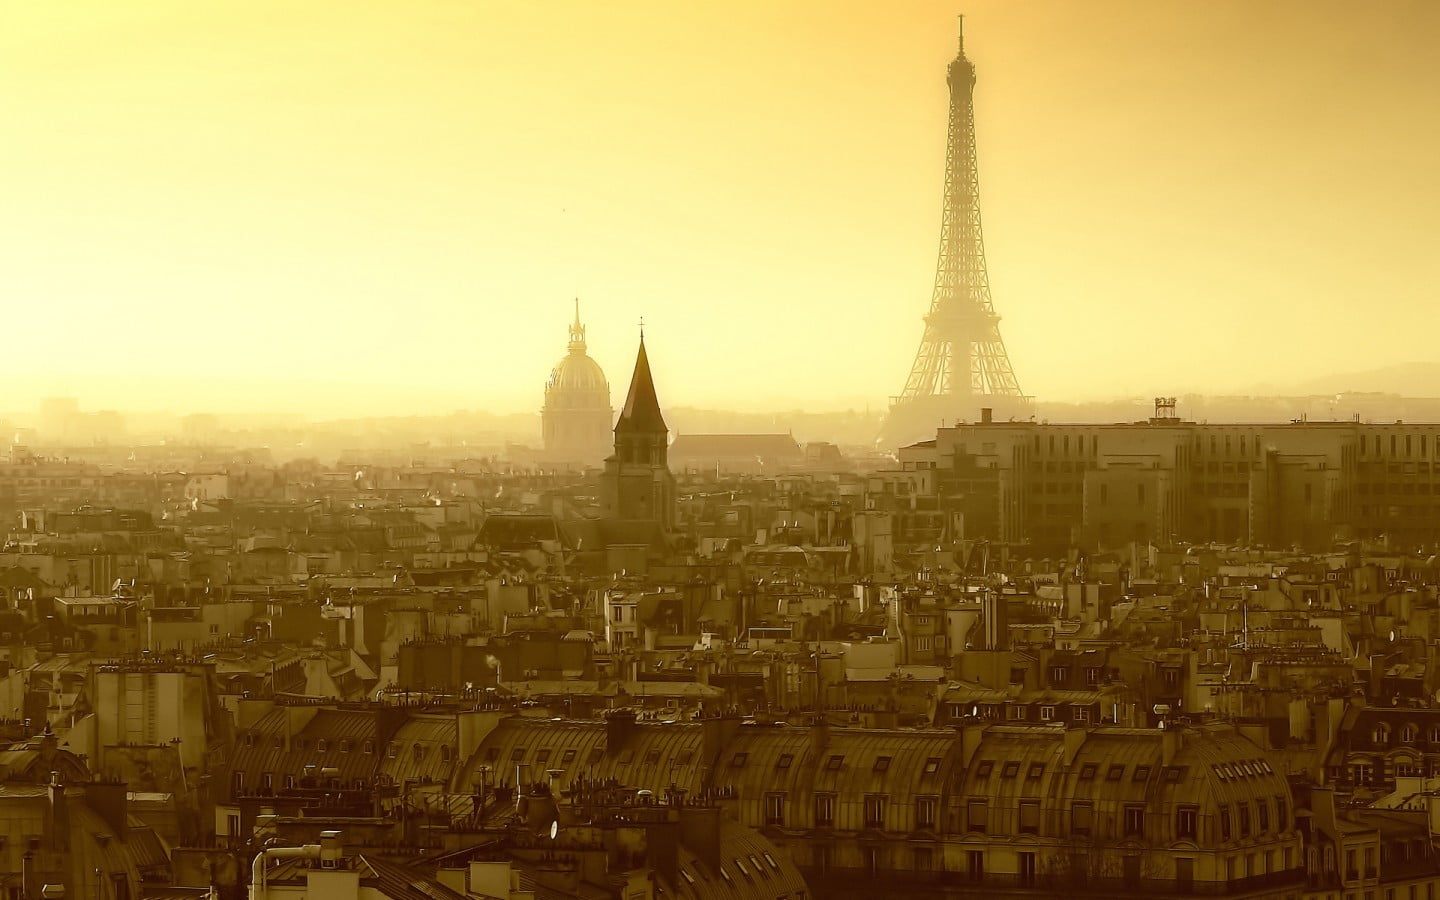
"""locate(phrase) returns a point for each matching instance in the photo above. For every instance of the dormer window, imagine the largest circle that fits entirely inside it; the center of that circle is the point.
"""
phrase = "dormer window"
(1409, 733)
(1380, 734)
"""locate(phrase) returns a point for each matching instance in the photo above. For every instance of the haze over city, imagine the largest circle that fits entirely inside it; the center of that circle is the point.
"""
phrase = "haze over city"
(388, 208)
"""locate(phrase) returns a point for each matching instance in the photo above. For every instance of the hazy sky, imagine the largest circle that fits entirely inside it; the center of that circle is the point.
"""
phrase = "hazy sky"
(279, 204)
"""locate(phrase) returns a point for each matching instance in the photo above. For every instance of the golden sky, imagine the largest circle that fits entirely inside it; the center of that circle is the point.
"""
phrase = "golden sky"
(284, 204)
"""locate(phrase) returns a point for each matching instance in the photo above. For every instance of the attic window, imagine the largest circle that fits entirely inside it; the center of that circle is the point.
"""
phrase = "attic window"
(756, 863)
(517, 754)
(652, 756)
(596, 754)
(345, 746)
(725, 875)
(1087, 771)
(741, 866)
(321, 745)
(882, 764)
(628, 756)
(567, 757)
(542, 756)
(1010, 770)
(738, 762)
(983, 770)
(1142, 773)
(1036, 770)
(784, 761)
(683, 757)
(1173, 774)
(689, 879)
(932, 765)
(1265, 766)
(833, 763)
(1220, 772)
(771, 860)
(1116, 772)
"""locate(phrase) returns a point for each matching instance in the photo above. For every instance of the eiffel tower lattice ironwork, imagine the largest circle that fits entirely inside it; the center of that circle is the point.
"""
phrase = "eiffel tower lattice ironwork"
(961, 365)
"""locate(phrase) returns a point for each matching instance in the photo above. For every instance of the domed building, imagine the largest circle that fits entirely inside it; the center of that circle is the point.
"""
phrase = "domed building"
(576, 420)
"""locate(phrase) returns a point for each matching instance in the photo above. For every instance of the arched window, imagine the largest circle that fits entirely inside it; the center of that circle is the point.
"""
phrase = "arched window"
(1435, 734)
(1409, 733)
(419, 752)
(1380, 734)
(445, 753)
(321, 745)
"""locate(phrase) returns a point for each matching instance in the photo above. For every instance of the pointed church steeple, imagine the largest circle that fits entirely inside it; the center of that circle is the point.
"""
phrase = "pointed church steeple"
(641, 413)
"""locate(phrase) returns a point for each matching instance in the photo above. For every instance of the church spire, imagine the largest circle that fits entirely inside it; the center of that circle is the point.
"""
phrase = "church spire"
(577, 331)
(641, 413)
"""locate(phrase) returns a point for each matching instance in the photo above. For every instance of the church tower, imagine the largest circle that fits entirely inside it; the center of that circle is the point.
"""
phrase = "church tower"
(638, 484)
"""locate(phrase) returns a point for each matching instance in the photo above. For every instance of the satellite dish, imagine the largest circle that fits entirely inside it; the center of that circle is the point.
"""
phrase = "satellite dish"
(554, 829)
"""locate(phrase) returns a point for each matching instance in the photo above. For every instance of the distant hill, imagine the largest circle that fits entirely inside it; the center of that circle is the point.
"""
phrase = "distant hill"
(1408, 379)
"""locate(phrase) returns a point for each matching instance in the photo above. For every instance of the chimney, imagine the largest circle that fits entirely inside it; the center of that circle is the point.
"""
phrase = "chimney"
(619, 726)
(111, 801)
(987, 415)
(332, 850)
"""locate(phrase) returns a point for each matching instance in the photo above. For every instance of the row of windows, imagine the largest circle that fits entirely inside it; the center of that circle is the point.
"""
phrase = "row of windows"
(345, 745)
(1248, 819)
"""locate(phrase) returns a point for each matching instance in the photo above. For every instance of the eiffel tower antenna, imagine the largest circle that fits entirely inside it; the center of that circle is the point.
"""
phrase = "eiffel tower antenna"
(961, 366)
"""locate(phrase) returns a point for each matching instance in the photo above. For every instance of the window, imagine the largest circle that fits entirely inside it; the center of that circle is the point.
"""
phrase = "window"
(1409, 733)
(1036, 770)
(1186, 819)
(1173, 774)
(1244, 820)
(1082, 817)
(1142, 773)
(567, 757)
(1116, 772)
(1059, 674)
(1029, 816)
(1280, 812)
(445, 753)
(984, 768)
(924, 859)
(875, 810)
(882, 764)
(833, 763)
(1047, 713)
(321, 746)
(345, 746)
(289, 781)
(975, 864)
(237, 781)
(1010, 770)
(267, 781)
(932, 765)
(784, 761)
(1134, 820)
(516, 755)
(1087, 771)
(977, 814)
(824, 810)
(1225, 823)
(1027, 868)
(541, 756)
(774, 809)
(926, 809)
(738, 760)
(1262, 814)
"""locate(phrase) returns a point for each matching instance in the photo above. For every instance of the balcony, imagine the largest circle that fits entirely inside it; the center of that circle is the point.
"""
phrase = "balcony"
(857, 881)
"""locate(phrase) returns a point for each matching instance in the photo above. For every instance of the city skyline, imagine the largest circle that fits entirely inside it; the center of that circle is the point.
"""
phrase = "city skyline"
(310, 235)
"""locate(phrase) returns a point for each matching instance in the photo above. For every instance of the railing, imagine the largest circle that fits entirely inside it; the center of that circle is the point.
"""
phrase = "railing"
(875, 882)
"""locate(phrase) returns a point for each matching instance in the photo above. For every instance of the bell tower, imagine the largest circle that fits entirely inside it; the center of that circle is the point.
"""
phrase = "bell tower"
(638, 484)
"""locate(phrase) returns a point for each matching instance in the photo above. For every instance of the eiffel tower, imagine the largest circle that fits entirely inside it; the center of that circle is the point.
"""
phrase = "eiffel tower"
(961, 366)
